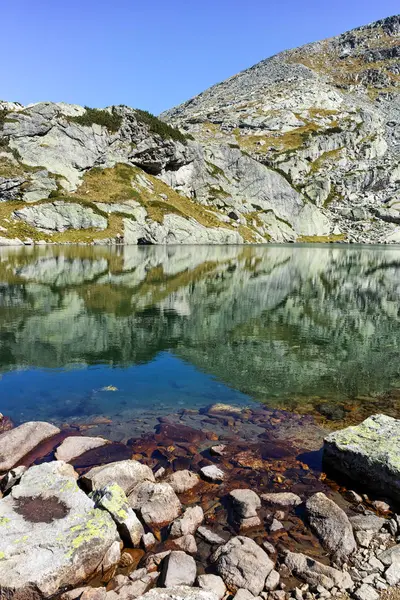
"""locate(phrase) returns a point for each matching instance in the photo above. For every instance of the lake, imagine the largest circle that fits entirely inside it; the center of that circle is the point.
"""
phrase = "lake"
(142, 331)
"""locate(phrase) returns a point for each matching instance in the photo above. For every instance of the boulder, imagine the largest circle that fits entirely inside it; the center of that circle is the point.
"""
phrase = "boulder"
(112, 498)
(180, 592)
(188, 522)
(74, 446)
(11, 478)
(213, 583)
(51, 533)
(283, 499)
(245, 503)
(332, 526)
(60, 216)
(368, 453)
(16, 443)
(242, 564)
(126, 473)
(178, 569)
(315, 573)
(182, 481)
(157, 503)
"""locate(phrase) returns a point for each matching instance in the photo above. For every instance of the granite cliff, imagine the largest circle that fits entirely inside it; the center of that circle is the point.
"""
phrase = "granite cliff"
(303, 146)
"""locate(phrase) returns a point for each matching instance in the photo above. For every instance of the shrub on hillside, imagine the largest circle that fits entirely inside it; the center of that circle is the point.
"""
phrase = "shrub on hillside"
(101, 117)
(160, 128)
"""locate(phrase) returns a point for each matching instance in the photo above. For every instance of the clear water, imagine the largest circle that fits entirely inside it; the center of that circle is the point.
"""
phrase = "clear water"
(168, 327)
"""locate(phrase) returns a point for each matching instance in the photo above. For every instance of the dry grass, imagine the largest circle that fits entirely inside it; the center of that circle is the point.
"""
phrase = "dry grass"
(321, 239)
(291, 140)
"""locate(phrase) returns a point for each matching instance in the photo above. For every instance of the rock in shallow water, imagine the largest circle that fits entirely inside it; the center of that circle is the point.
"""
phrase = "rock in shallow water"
(212, 473)
(51, 534)
(74, 446)
(369, 453)
(16, 443)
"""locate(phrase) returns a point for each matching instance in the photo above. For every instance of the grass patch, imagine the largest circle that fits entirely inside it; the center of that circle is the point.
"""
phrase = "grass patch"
(159, 127)
(111, 120)
(321, 239)
(214, 170)
(325, 156)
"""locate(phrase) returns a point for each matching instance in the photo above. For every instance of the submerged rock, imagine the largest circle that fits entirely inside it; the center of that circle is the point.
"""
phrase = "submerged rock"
(74, 446)
(212, 473)
(126, 473)
(368, 453)
(16, 443)
(332, 526)
(243, 564)
(51, 533)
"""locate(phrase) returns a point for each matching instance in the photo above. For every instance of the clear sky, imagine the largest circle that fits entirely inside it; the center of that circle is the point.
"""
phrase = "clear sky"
(154, 55)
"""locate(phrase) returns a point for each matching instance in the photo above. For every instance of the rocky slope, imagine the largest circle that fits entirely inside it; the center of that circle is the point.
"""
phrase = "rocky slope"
(301, 147)
(326, 116)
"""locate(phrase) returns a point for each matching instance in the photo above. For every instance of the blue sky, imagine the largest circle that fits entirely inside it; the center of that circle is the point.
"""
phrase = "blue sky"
(154, 55)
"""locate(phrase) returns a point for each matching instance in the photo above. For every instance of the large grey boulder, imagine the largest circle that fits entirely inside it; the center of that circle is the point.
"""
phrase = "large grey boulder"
(332, 526)
(51, 533)
(74, 446)
(60, 216)
(368, 453)
(157, 503)
(16, 443)
(113, 499)
(316, 573)
(242, 564)
(126, 473)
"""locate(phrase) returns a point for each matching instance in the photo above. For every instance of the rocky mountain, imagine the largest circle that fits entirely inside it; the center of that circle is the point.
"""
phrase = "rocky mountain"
(301, 147)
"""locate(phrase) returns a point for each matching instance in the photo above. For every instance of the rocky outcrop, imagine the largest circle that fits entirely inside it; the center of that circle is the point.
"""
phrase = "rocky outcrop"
(51, 534)
(368, 453)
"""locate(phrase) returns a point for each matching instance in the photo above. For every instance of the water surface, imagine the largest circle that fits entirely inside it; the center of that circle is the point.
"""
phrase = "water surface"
(88, 331)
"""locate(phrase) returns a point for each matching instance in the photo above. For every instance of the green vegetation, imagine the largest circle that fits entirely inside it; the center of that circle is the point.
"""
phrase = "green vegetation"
(111, 120)
(3, 116)
(160, 128)
(214, 170)
(321, 239)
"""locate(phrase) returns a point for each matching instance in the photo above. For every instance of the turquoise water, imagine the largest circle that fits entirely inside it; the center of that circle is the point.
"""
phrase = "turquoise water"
(181, 327)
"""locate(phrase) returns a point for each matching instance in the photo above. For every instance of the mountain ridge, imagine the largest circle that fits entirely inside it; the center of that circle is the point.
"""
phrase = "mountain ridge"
(302, 146)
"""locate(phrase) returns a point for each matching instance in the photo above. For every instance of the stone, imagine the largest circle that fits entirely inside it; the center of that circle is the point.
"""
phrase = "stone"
(180, 592)
(157, 503)
(272, 581)
(210, 536)
(243, 594)
(245, 502)
(188, 522)
(390, 556)
(212, 473)
(137, 584)
(332, 526)
(187, 543)
(275, 526)
(182, 481)
(242, 564)
(112, 556)
(368, 453)
(52, 534)
(126, 473)
(213, 583)
(178, 569)
(268, 547)
(112, 498)
(74, 446)
(392, 574)
(368, 522)
(154, 560)
(366, 592)
(381, 506)
(315, 573)
(284, 499)
(249, 522)
(364, 538)
(11, 478)
(148, 540)
(218, 450)
(16, 443)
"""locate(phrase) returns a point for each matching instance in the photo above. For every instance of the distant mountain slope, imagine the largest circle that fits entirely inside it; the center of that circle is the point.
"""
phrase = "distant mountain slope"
(303, 146)
(327, 115)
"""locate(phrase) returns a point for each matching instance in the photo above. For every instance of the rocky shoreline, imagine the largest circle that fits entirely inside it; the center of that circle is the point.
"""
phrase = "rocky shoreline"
(185, 513)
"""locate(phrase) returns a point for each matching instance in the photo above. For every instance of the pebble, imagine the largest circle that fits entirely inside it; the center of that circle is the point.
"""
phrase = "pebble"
(212, 473)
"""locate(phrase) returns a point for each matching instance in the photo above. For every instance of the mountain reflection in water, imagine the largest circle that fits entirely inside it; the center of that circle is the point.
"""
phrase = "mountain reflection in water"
(297, 327)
